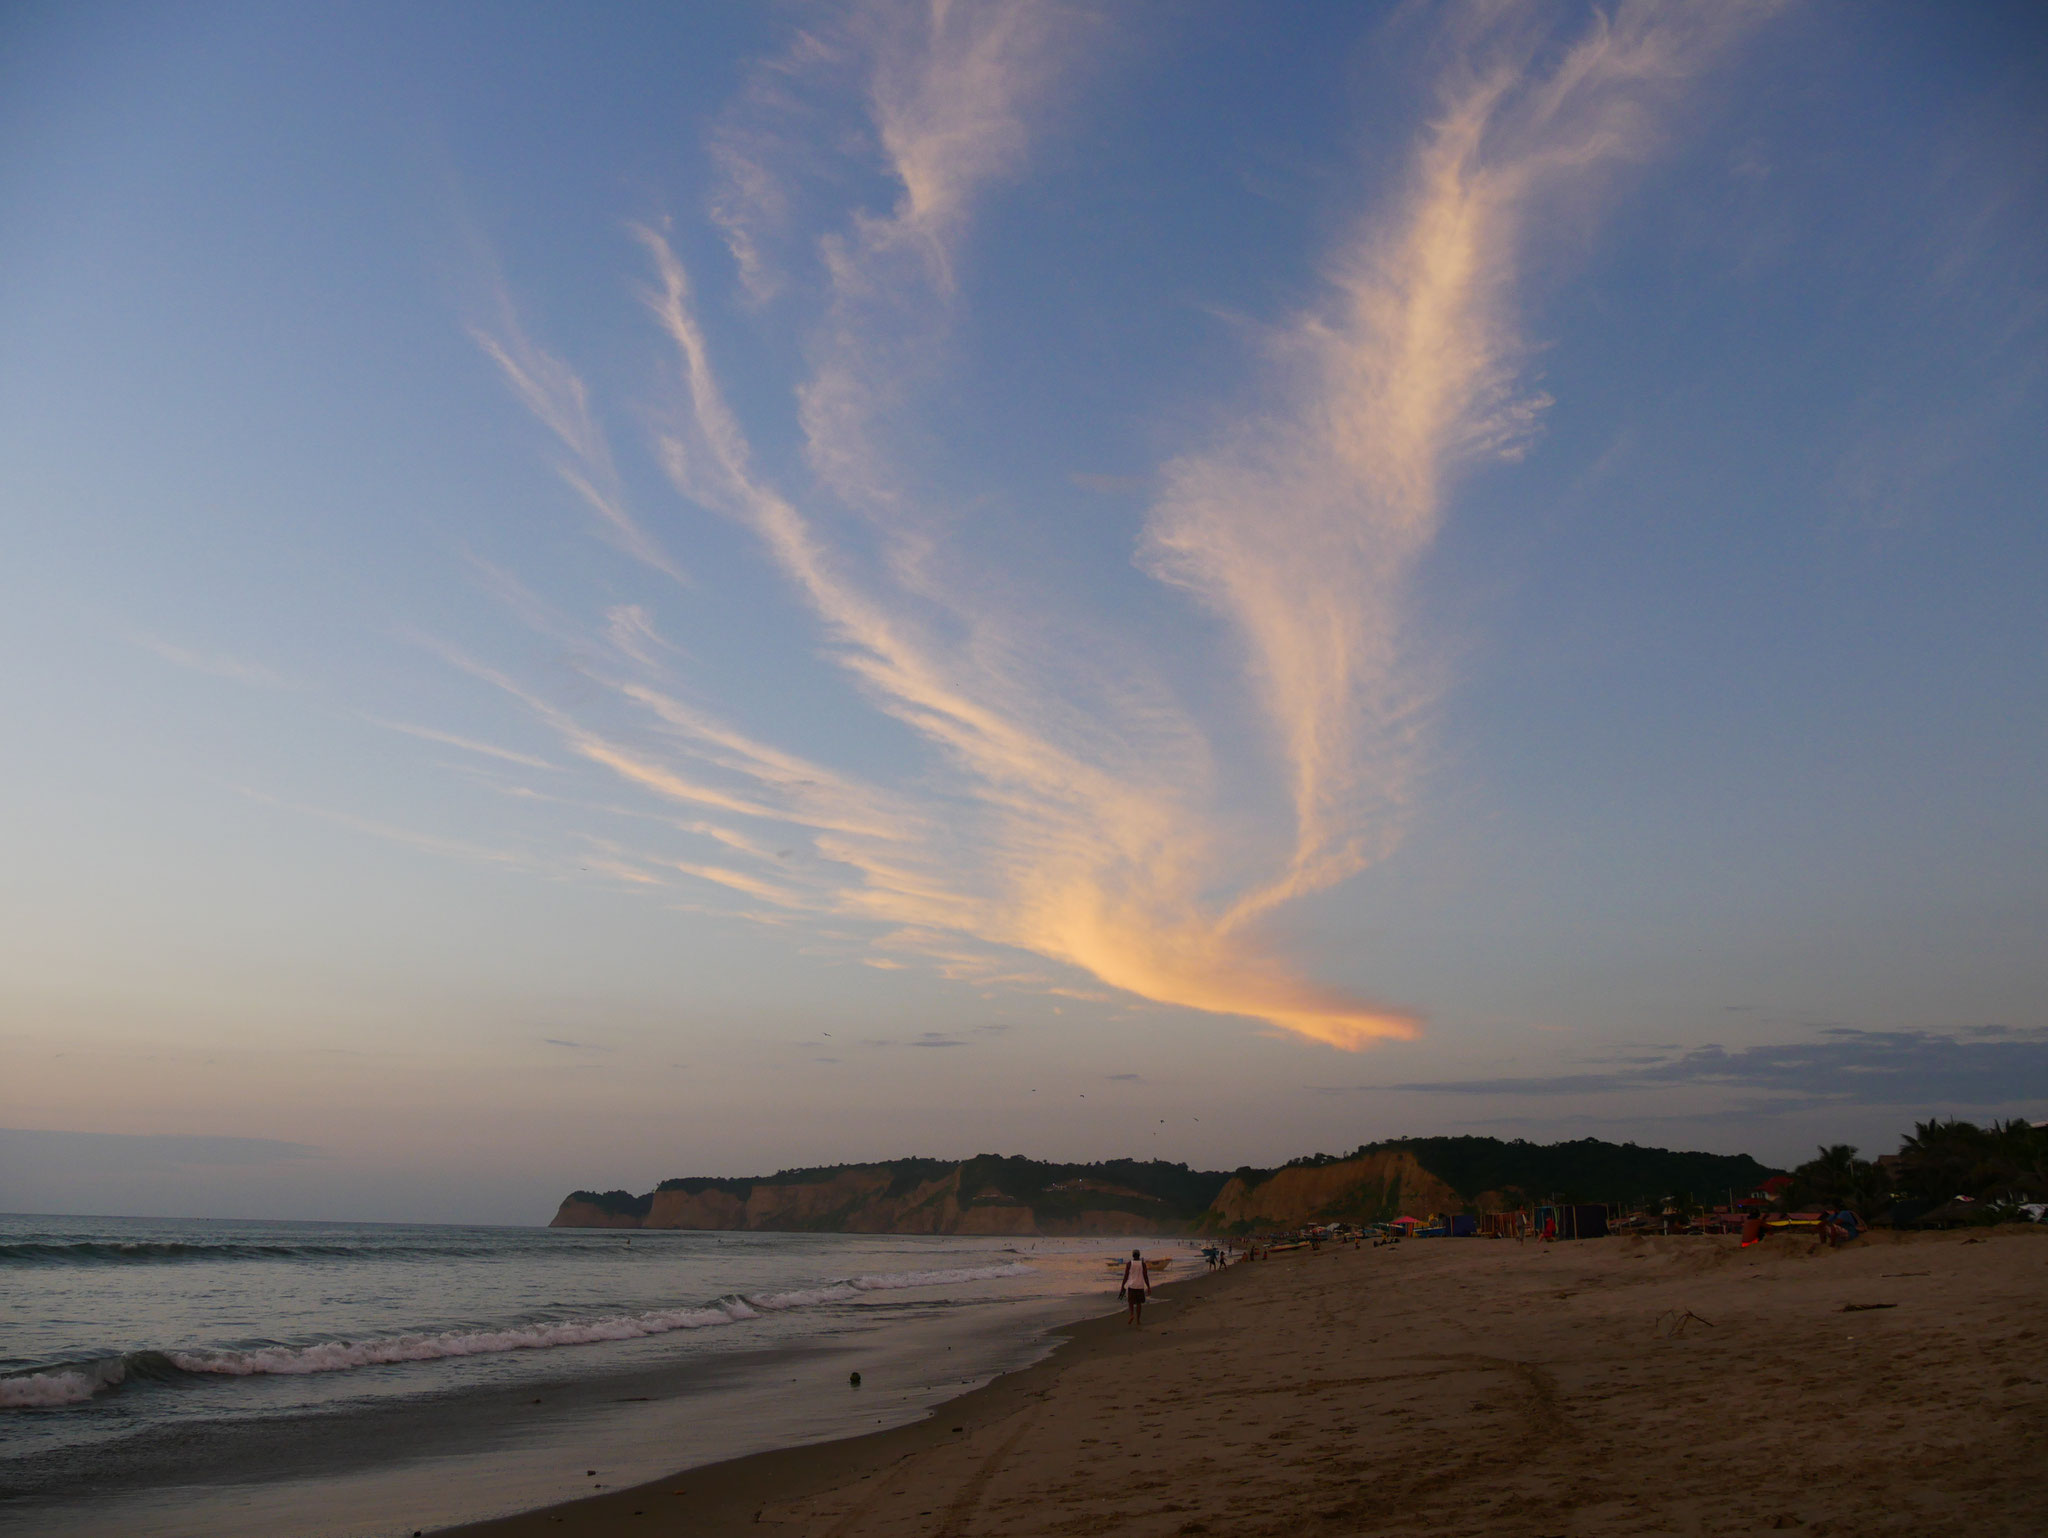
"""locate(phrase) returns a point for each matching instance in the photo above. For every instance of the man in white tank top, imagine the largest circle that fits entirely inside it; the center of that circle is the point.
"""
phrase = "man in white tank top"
(1137, 1282)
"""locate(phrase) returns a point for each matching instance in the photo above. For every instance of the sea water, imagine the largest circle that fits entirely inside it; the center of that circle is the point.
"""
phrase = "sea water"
(162, 1377)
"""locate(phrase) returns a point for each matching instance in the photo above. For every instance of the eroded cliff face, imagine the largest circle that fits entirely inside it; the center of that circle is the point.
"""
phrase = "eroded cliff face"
(697, 1209)
(1375, 1187)
(862, 1200)
(575, 1214)
(1009, 1194)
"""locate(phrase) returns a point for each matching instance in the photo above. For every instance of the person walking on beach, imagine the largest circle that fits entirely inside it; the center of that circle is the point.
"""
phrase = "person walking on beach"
(1137, 1282)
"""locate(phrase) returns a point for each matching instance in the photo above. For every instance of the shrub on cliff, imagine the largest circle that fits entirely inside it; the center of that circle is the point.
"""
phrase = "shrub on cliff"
(622, 1204)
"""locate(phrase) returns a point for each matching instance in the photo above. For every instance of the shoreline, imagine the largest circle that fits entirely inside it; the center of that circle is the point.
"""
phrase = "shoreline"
(730, 1496)
(1602, 1389)
(390, 1449)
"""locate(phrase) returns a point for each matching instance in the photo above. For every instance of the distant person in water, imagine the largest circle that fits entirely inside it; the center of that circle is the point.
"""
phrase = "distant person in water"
(1137, 1282)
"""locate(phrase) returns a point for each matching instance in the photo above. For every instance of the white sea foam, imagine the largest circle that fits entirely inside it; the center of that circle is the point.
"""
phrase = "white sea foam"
(807, 1297)
(853, 1287)
(342, 1355)
(939, 1278)
(45, 1390)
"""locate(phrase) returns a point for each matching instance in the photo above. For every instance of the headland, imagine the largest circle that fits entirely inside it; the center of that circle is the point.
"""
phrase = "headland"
(1011, 1195)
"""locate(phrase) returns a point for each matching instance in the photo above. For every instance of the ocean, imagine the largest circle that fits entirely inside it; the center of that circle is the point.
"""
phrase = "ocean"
(184, 1377)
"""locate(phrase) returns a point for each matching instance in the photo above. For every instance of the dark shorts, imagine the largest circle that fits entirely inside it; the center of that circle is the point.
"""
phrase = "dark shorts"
(1134, 1295)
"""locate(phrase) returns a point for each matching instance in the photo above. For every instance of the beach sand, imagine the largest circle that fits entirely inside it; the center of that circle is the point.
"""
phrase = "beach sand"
(1620, 1386)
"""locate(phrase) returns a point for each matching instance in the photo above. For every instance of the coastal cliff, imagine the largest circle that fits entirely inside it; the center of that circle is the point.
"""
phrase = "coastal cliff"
(993, 1194)
(575, 1214)
(602, 1209)
(1370, 1189)
(988, 1194)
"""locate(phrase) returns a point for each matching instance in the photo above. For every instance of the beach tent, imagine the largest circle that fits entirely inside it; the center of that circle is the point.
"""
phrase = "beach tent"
(1464, 1226)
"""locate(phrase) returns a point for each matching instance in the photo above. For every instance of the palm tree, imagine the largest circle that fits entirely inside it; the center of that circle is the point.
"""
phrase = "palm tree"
(1945, 1159)
(1833, 1178)
(1871, 1193)
(2019, 1157)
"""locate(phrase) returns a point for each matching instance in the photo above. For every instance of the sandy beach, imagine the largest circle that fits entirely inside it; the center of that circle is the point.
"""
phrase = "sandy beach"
(1468, 1387)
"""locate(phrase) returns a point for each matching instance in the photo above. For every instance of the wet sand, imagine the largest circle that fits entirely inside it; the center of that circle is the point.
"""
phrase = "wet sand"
(1467, 1387)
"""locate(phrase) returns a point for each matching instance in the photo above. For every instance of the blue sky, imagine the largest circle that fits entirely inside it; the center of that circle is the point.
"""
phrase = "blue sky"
(700, 589)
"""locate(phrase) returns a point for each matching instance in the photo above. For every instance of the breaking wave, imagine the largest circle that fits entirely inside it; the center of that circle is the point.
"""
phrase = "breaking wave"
(74, 1383)
(42, 1390)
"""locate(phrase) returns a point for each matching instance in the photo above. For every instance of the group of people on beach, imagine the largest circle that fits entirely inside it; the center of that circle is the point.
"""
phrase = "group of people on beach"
(1835, 1227)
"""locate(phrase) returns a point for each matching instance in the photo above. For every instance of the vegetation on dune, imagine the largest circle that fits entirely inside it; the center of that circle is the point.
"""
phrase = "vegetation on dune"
(1837, 1178)
(1943, 1168)
(1958, 1158)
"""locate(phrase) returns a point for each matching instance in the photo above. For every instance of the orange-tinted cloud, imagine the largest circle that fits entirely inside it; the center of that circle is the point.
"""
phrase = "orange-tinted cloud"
(1084, 827)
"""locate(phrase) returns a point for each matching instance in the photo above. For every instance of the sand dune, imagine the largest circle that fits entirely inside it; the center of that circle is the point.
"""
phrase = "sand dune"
(1472, 1387)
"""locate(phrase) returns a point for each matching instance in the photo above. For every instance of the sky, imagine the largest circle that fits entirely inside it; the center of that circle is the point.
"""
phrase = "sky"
(592, 595)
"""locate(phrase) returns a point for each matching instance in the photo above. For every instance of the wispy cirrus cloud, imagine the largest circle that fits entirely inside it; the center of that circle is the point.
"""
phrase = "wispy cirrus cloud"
(214, 663)
(558, 399)
(1303, 527)
(1071, 814)
(410, 838)
(467, 744)
(763, 141)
